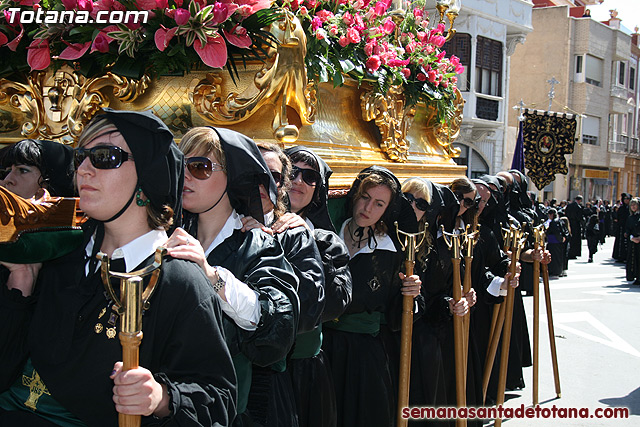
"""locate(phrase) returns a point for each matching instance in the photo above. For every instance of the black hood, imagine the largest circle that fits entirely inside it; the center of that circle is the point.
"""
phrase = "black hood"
(500, 210)
(57, 167)
(246, 170)
(159, 162)
(317, 211)
(399, 208)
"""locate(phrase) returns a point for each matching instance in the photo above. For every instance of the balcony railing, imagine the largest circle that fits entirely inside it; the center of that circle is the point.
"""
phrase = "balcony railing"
(487, 109)
(619, 146)
(634, 146)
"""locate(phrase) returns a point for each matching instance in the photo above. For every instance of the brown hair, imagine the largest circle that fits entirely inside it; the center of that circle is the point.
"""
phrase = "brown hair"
(281, 205)
(374, 180)
(203, 140)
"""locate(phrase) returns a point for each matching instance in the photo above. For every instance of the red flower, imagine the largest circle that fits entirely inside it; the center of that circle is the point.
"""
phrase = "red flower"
(353, 36)
(38, 54)
(182, 16)
(100, 43)
(238, 37)
(421, 77)
(213, 53)
(406, 73)
(74, 51)
(373, 63)
(343, 41)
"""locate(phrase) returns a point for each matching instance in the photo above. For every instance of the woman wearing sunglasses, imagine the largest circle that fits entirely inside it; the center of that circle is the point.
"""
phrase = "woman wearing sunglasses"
(359, 362)
(224, 176)
(64, 365)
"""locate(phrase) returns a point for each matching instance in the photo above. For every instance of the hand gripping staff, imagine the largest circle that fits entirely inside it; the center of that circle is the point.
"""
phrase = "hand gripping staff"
(469, 240)
(517, 237)
(132, 302)
(453, 242)
(410, 244)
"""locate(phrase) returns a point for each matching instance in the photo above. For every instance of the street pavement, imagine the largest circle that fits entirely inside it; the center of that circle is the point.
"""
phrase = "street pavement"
(596, 314)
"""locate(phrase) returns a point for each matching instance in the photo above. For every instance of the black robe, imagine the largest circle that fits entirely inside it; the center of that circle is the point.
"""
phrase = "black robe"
(308, 365)
(257, 259)
(621, 243)
(575, 213)
(633, 249)
(365, 394)
(183, 343)
(556, 235)
(272, 400)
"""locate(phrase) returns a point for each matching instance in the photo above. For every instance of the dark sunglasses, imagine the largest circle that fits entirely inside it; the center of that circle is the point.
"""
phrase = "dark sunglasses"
(201, 167)
(466, 201)
(421, 203)
(101, 156)
(277, 177)
(309, 176)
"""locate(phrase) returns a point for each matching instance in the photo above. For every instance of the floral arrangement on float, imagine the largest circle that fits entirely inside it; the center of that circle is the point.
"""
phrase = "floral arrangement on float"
(149, 36)
(370, 41)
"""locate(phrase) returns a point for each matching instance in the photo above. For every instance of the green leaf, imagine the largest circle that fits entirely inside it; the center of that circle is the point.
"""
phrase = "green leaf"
(346, 65)
(337, 79)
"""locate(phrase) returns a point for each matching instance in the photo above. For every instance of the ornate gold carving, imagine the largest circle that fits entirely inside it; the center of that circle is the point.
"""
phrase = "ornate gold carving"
(282, 82)
(393, 119)
(445, 133)
(58, 104)
(36, 389)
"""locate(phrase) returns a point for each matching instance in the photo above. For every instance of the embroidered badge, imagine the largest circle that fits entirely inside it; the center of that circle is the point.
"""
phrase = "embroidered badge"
(98, 328)
(36, 389)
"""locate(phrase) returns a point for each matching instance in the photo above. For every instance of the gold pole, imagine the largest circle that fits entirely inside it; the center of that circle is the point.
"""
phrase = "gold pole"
(552, 336)
(130, 334)
(453, 241)
(539, 234)
(410, 247)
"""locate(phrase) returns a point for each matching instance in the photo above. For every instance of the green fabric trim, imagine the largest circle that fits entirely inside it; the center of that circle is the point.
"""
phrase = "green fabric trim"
(20, 398)
(337, 211)
(244, 372)
(360, 323)
(41, 245)
(308, 344)
(279, 366)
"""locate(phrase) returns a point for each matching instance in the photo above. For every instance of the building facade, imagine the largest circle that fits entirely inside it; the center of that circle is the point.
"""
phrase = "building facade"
(488, 32)
(598, 75)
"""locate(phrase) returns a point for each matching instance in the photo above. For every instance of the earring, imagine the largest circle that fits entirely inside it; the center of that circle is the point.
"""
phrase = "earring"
(139, 200)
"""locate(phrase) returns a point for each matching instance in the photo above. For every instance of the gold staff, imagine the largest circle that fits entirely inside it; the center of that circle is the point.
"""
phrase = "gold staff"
(409, 246)
(130, 305)
(552, 336)
(518, 239)
(453, 242)
(499, 313)
(470, 240)
(539, 235)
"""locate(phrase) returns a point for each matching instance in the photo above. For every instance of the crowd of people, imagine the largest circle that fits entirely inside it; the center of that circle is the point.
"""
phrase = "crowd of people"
(271, 310)
(568, 223)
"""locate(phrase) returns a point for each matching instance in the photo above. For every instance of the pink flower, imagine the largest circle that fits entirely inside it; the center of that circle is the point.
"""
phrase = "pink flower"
(162, 37)
(432, 76)
(3, 39)
(343, 41)
(454, 60)
(178, 3)
(213, 53)
(459, 69)
(74, 51)
(316, 23)
(441, 55)
(182, 16)
(389, 26)
(421, 77)
(368, 48)
(38, 54)
(333, 30)
(85, 5)
(438, 40)
(321, 34)
(13, 44)
(238, 37)
(380, 8)
(429, 49)
(418, 13)
(347, 18)
(8, 18)
(303, 11)
(69, 4)
(324, 15)
(444, 83)
(373, 63)
(406, 73)
(162, 4)
(397, 62)
(353, 36)
(100, 43)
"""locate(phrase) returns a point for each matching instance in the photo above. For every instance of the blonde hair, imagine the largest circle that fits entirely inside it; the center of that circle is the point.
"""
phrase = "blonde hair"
(420, 189)
(203, 140)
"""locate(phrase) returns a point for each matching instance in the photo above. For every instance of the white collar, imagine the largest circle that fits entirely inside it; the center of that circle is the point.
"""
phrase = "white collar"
(384, 242)
(233, 223)
(136, 250)
(269, 218)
